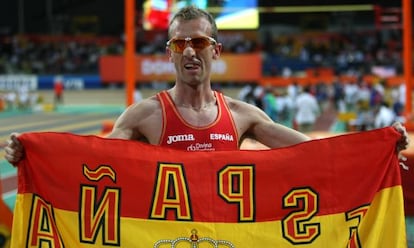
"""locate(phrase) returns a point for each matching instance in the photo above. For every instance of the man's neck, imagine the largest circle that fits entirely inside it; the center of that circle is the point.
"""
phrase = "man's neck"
(196, 99)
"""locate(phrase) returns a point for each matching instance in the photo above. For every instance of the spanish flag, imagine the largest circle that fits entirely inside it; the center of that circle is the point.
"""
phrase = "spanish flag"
(88, 191)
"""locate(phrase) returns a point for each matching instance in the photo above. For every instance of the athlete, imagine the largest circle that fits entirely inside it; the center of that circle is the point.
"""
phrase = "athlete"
(191, 116)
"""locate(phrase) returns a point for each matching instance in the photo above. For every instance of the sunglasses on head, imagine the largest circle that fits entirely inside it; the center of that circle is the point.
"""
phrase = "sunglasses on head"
(178, 45)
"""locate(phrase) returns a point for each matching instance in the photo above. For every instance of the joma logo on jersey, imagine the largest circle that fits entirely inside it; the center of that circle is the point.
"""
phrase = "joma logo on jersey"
(179, 138)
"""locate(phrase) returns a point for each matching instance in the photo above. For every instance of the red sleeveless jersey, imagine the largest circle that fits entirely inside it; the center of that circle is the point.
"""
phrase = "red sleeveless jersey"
(220, 135)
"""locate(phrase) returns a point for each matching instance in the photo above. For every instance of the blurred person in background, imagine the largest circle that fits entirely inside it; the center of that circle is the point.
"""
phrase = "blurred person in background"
(11, 98)
(192, 116)
(2, 101)
(58, 88)
(350, 96)
(246, 94)
(339, 96)
(285, 107)
(364, 116)
(23, 97)
(307, 110)
(384, 116)
(137, 94)
(269, 103)
(293, 90)
(398, 99)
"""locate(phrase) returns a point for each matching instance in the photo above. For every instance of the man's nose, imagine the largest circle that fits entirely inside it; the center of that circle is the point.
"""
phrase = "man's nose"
(189, 50)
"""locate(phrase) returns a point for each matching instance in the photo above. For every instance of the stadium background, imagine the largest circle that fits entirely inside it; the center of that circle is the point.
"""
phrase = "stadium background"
(89, 31)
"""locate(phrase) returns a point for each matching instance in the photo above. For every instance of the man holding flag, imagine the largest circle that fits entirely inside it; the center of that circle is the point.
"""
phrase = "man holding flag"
(190, 117)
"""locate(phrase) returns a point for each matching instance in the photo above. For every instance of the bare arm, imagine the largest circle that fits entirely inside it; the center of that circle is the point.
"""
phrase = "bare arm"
(254, 123)
(124, 126)
(275, 135)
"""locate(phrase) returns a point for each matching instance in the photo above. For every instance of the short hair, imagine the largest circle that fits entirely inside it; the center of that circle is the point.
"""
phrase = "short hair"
(190, 13)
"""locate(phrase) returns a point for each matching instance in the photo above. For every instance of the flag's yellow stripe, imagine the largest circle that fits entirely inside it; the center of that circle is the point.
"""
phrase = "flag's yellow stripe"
(382, 226)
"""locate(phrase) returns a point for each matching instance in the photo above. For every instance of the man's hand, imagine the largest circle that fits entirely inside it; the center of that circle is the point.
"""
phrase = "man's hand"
(402, 144)
(14, 149)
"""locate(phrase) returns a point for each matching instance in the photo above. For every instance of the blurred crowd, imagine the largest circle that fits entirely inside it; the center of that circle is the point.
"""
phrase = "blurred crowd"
(28, 55)
(356, 106)
(354, 53)
(346, 53)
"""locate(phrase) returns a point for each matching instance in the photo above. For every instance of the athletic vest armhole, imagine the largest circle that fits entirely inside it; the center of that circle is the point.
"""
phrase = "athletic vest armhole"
(222, 101)
(161, 97)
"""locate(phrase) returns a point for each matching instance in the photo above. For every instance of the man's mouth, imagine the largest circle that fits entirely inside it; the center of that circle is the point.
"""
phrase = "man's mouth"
(191, 66)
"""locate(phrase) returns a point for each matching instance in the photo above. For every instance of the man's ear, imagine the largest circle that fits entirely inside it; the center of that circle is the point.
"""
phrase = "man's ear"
(217, 50)
(169, 54)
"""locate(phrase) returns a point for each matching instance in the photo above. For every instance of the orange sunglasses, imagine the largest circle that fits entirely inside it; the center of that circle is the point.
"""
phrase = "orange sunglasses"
(178, 45)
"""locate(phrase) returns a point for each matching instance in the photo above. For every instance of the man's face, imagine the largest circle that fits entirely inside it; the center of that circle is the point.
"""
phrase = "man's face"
(193, 65)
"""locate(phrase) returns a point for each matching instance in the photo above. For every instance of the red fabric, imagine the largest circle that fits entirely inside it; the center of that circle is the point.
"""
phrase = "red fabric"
(298, 167)
(6, 215)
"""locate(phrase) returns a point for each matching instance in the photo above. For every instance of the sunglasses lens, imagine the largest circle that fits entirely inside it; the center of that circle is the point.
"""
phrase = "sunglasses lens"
(178, 46)
(200, 43)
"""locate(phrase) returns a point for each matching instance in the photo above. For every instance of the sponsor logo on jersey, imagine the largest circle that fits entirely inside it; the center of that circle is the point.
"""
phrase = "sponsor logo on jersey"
(179, 138)
(201, 147)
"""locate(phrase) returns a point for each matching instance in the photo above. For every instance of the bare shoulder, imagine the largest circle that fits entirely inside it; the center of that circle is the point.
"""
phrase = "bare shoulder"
(239, 107)
(140, 121)
(144, 108)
